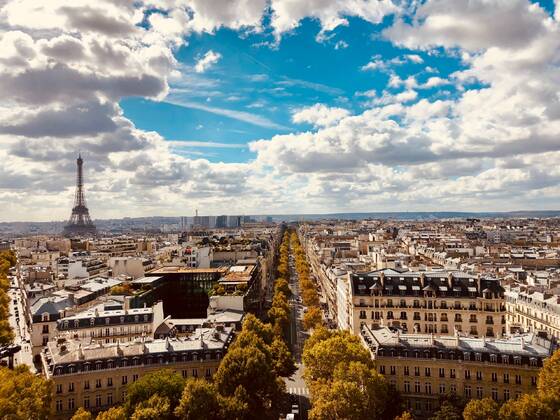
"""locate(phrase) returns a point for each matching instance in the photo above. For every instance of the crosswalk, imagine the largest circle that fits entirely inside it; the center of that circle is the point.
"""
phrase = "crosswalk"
(298, 391)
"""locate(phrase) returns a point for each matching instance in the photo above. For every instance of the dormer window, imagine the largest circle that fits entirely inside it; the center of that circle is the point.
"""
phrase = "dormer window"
(122, 319)
(107, 321)
(45, 317)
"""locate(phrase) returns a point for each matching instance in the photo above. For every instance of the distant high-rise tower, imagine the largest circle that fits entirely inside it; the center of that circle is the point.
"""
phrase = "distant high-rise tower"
(80, 222)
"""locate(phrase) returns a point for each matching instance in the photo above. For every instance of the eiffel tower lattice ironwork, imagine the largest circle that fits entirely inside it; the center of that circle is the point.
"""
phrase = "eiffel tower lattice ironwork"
(80, 223)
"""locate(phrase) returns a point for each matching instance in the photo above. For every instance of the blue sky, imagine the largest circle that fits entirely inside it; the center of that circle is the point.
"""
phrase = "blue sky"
(254, 75)
(274, 106)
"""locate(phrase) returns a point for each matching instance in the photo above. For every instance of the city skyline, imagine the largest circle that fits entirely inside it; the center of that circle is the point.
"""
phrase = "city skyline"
(274, 107)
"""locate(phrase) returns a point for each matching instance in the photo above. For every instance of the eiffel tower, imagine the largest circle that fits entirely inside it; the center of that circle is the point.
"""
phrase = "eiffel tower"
(80, 223)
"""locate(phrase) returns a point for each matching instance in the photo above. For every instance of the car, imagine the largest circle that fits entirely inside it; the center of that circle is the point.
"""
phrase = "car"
(295, 408)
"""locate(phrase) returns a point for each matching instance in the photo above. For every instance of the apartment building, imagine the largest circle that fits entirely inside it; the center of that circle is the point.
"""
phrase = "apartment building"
(109, 324)
(436, 302)
(423, 367)
(532, 310)
(96, 376)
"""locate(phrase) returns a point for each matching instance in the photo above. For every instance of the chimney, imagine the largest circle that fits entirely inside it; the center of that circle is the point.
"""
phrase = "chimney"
(478, 284)
(127, 300)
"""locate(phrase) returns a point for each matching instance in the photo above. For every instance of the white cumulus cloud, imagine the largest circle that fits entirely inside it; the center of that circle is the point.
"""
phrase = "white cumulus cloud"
(320, 115)
(207, 61)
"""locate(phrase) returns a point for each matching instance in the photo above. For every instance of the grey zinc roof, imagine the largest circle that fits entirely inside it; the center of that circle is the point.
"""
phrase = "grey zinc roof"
(51, 305)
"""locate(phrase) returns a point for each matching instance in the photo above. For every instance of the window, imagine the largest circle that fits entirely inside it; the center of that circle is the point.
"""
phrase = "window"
(362, 314)
(442, 388)
(124, 380)
(86, 402)
(494, 394)
(506, 394)
(468, 391)
(45, 341)
(393, 370)
(427, 371)
(453, 388)
(417, 387)
(134, 378)
(428, 388)
(479, 392)
(109, 381)
(442, 372)
(58, 405)
(59, 388)
(407, 386)
(416, 371)
(494, 377)
(478, 375)
(71, 387)
(195, 373)
(86, 384)
(406, 371)
(382, 369)
(533, 381)
(493, 358)
(452, 373)
(184, 373)
(208, 372)
(517, 360)
(71, 403)
(98, 383)
(45, 329)
(506, 378)
(467, 374)
(109, 399)
(533, 361)
(518, 379)
(98, 400)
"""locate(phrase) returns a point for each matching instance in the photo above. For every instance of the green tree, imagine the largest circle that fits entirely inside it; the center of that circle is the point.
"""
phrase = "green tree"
(252, 369)
(281, 285)
(548, 384)
(485, 409)
(23, 395)
(447, 411)
(113, 413)
(201, 400)
(527, 407)
(313, 318)
(82, 414)
(322, 357)
(355, 392)
(153, 409)
(165, 383)
(284, 363)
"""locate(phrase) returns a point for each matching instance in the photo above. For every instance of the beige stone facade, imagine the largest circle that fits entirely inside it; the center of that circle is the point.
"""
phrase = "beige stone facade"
(427, 302)
(531, 310)
(424, 368)
(96, 377)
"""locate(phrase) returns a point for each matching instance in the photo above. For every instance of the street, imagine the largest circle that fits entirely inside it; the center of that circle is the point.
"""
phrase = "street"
(296, 385)
(18, 322)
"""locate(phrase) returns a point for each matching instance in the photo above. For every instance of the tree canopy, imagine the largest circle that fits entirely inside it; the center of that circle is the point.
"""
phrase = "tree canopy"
(23, 395)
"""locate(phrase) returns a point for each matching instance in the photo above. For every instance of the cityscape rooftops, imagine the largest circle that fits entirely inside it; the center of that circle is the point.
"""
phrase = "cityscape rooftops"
(530, 344)
(72, 356)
